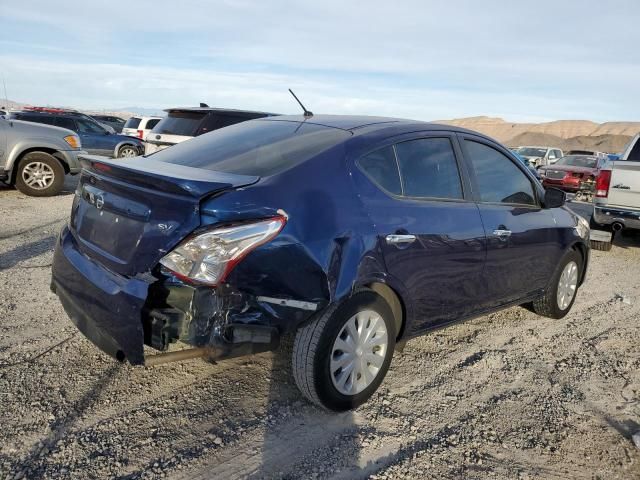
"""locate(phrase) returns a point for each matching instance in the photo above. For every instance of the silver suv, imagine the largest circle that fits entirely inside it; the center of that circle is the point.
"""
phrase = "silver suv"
(36, 157)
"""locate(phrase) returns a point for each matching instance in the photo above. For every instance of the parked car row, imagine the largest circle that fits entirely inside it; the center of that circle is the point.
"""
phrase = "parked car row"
(539, 156)
(95, 137)
(617, 196)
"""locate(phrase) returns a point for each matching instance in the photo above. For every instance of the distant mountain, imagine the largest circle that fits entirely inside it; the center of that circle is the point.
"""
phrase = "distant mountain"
(566, 134)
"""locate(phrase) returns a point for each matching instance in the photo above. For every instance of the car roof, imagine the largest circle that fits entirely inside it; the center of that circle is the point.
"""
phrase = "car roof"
(215, 109)
(368, 124)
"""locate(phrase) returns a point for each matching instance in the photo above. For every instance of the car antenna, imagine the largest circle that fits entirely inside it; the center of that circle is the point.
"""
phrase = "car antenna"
(203, 105)
(307, 113)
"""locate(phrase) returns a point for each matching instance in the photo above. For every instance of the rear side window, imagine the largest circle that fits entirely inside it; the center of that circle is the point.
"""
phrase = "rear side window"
(180, 123)
(215, 121)
(381, 167)
(499, 179)
(85, 126)
(151, 123)
(429, 169)
(260, 148)
(46, 119)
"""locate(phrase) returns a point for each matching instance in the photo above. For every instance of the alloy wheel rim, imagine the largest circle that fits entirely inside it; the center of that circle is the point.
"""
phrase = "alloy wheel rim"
(358, 352)
(128, 152)
(567, 285)
(38, 175)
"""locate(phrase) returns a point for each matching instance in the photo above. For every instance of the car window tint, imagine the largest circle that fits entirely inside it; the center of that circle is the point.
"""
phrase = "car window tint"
(180, 123)
(499, 179)
(261, 148)
(65, 123)
(152, 123)
(46, 119)
(381, 167)
(428, 168)
(85, 126)
(634, 155)
(133, 122)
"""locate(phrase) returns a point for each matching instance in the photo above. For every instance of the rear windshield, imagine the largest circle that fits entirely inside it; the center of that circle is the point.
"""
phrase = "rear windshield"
(578, 161)
(257, 147)
(133, 122)
(180, 123)
(532, 152)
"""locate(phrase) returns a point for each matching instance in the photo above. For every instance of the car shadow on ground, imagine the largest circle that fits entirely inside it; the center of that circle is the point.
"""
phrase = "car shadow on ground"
(60, 427)
(26, 251)
(70, 184)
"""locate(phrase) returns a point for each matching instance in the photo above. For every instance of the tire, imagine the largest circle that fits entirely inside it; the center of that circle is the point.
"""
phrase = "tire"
(128, 151)
(315, 346)
(601, 246)
(39, 175)
(548, 305)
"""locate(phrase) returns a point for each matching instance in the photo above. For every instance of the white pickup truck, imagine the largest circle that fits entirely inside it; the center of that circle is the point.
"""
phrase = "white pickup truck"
(616, 203)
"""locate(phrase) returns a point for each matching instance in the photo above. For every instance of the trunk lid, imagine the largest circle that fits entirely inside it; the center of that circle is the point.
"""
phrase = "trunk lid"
(127, 216)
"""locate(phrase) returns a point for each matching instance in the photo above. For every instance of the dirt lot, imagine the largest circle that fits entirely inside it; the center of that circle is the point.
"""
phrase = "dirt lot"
(510, 395)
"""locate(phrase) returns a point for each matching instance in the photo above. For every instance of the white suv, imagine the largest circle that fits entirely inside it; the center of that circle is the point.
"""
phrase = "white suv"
(181, 124)
(140, 126)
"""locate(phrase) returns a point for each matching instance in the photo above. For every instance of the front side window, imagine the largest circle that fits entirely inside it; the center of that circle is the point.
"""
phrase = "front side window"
(381, 167)
(429, 169)
(499, 179)
(85, 126)
(65, 122)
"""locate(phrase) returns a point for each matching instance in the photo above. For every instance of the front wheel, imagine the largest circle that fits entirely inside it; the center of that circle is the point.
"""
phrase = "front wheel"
(39, 175)
(561, 292)
(341, 357)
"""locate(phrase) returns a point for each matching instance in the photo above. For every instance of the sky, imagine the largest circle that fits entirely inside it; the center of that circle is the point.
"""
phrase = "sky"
(537, 60)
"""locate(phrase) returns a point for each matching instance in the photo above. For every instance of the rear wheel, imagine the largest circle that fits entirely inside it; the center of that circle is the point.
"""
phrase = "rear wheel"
(128, 151)
(342, 356)
(561, 292)
(39, 175)
(601, 246)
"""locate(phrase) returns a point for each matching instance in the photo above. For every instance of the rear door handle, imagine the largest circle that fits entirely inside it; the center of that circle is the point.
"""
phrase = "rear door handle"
(502, 234)
(400, 239)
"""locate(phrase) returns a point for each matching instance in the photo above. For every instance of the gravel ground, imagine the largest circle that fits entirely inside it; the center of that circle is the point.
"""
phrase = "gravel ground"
(509, 395)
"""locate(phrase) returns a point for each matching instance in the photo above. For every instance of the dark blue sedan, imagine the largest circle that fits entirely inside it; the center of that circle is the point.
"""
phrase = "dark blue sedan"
(352, 233)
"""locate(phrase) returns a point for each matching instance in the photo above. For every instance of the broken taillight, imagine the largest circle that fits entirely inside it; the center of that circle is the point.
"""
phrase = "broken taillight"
(208, 257)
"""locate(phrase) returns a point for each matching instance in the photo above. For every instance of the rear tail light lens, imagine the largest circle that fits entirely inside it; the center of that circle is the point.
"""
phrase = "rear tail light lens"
(140, 133)
(208, 257)
(602, 183)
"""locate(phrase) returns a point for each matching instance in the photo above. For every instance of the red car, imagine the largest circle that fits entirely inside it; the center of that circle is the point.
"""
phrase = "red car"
(572, 172)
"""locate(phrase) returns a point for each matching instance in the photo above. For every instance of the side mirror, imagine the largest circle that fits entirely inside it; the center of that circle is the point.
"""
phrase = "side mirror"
(554, 198)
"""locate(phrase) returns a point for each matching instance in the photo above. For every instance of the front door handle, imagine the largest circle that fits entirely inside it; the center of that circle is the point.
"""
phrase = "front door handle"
(502, 234)
(397, 239)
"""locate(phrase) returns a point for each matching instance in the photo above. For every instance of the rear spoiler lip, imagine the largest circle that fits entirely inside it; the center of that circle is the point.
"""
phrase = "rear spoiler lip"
(180, 179)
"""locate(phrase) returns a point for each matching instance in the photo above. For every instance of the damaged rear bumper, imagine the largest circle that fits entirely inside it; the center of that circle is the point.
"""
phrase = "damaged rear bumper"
(120, 315)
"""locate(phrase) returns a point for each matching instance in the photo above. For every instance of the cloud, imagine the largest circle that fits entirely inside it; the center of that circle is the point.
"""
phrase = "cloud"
(413, 58)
